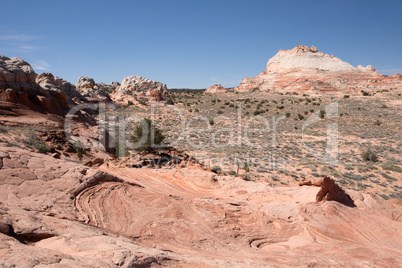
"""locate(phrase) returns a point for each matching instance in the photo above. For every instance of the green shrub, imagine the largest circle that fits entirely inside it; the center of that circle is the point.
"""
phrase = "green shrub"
(139, 131)
(246, 167)
(80, 150)
(211, 122)
(42, 148)
(369, 155)
(300, 116)
(322, 114)
(287, 115)
(169, 101)
(365, 93)
(217, 169)
(129, 103)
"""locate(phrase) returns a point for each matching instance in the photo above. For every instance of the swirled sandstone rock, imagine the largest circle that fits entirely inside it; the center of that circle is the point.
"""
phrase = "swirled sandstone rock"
(306, 69)
(59, 213)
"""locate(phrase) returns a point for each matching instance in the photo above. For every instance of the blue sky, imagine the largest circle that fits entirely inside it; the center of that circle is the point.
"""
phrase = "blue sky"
(194, 44)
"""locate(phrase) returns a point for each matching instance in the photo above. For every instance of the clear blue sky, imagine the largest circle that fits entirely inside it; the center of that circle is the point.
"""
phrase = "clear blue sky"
(191, 43)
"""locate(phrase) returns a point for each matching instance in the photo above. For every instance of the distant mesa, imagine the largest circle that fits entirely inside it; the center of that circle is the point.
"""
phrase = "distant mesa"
(216, 89)
(304, 68)
(142, 87)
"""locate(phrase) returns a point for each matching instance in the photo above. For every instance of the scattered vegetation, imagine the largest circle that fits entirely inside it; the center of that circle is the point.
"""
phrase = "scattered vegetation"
(146, 135)
(391, 167)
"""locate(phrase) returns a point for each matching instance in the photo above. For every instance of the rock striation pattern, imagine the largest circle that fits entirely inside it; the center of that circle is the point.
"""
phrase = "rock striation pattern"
(59, 213)
(304, 68)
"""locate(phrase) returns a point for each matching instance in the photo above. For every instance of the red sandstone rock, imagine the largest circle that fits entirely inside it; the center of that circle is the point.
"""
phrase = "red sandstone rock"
(305, 182)
(330, 191)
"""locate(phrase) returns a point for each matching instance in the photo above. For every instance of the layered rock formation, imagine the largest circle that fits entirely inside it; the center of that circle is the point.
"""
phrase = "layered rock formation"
(142, 87)
(91, 91)
(20, 90)
(306, 69)
(48, 81)
(59, 213)
(216, 89)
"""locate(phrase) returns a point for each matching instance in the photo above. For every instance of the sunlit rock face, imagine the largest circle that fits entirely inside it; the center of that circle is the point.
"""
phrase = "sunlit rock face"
(304, 68)
(143, 87)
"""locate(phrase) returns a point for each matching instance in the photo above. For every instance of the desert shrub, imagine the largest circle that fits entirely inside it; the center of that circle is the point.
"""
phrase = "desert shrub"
(232, 173)
(365, 93)
(257, 112)
(306, 112)
(287, 115)
(42, 148)
(169, 101)
(280, 107)
(129, 103)
(392, 167)
(196, 110)
(80, 150)
(255, 89)
(211, 122)
(3, 129)
(246, 167)
(377, 122)
(311, 110)
(369, 155)
(139, 133)
(322, 114)
(300, 116)
(217, 169)
(220, 112)
(346, 96)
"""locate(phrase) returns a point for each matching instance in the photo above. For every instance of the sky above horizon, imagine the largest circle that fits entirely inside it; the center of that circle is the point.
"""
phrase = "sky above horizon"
(194, 44)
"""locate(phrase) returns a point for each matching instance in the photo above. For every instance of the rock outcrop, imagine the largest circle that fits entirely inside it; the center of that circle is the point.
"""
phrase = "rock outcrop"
(91, 91)
(306, 69)
(60, 213)
(330, 191)
(216, 89)
(19, 90)
(142, 87)
(48, 81)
